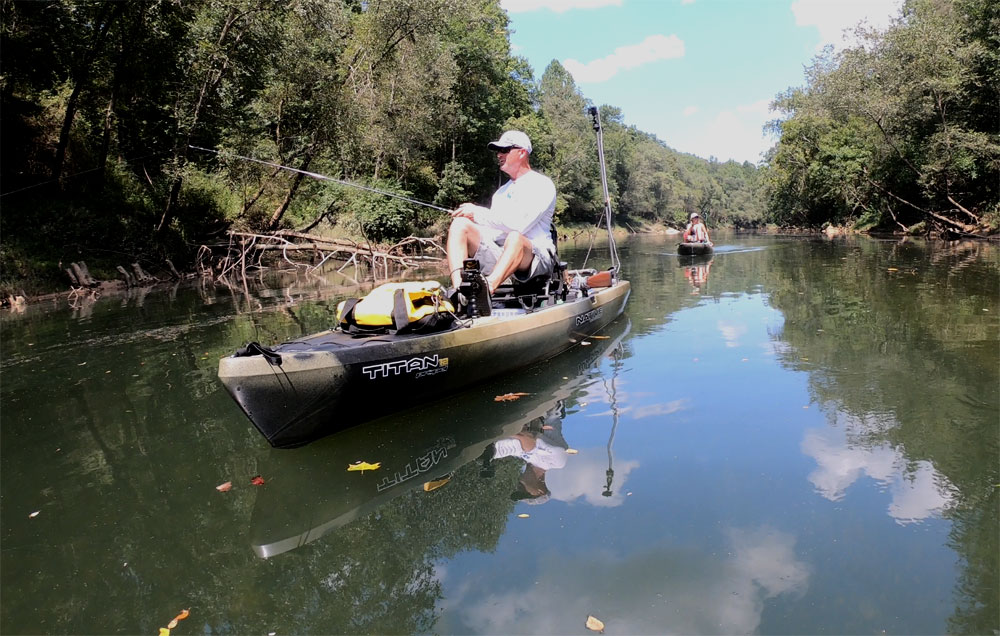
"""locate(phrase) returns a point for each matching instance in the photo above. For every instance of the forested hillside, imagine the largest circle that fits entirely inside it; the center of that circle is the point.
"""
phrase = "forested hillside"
(103, 101)
(900, 132)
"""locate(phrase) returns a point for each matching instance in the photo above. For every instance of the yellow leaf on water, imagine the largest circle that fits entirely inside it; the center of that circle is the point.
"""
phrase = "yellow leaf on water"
(600, 337)
(164, 631)
(571, 451)
(523, 515)
(893, 269)
(594, 624)
(363, 466)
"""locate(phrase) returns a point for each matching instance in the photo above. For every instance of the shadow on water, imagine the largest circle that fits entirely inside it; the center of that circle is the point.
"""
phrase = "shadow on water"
(312, 492)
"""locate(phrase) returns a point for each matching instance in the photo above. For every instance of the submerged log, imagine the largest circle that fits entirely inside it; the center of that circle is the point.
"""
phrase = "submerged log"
(129, 279)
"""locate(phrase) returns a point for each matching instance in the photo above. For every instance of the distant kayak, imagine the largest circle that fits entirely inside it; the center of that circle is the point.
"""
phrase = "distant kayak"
(694, 249)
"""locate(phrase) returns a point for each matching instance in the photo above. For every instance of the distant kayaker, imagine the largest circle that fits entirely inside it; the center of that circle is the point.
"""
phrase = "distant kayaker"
(512, 237)
(696, 231)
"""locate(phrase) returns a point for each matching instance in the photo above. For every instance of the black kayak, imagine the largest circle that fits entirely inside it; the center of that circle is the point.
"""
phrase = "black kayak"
(310, 492)
(305, 389)
(694, 249)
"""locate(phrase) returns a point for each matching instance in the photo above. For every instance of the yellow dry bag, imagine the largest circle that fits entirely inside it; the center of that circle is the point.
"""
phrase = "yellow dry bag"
(412, 307)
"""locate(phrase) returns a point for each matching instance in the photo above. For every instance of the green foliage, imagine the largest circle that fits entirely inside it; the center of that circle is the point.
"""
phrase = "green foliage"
(379, 218)
(103, 101)
(896, 131)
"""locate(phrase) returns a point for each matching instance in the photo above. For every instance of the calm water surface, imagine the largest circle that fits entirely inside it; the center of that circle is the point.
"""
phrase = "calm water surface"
(797, 436)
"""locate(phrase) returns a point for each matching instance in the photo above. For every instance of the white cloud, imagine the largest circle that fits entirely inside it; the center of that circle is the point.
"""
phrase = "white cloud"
(832, 17)
(917, 490)
(731, 332)
(690, 110)
(735, 134)
(652, 49)
(558, 6)
(585, 474)
(666, 590)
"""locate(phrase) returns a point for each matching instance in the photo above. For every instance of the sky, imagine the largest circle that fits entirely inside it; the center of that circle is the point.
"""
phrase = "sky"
(698, 74)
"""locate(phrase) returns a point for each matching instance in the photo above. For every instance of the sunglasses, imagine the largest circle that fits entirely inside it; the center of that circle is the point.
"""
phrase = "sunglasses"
(507, 149)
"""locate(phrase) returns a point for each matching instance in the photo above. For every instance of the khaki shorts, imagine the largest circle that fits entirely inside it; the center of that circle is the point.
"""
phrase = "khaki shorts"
(489, 253)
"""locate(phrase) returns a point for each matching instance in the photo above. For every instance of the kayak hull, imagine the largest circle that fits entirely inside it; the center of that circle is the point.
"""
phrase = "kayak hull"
(694, 249)
(332, 380)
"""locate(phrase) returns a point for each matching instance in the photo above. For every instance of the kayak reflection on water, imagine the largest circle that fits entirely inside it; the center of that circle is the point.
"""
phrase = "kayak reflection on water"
(696, 271)
(311, 493)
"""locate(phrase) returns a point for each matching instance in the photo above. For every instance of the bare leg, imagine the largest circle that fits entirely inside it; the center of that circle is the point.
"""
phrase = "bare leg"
(463, 241)
(516, 256)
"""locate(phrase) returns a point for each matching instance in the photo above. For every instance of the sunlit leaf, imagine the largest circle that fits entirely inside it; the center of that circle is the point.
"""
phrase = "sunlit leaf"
(509, 397)
(34, 514)
(224, 487)
(173, 623)
(594, 624)
(434, 484)
(571, 451)
(363, 466)
(257, 481)
(523, 515)
(164, 631)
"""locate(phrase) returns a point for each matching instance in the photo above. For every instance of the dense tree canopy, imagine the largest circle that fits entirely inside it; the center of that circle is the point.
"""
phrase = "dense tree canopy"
(901, 131)
(103, 104)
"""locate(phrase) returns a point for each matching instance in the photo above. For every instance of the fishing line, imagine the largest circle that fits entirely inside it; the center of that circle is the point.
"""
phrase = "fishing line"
(78, 174)
(323, 177)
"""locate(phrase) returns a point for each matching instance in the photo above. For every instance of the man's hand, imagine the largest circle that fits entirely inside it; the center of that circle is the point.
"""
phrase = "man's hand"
(467, 210)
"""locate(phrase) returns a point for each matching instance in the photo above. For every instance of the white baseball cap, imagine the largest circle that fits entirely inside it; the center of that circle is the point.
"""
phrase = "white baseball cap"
(510, 139)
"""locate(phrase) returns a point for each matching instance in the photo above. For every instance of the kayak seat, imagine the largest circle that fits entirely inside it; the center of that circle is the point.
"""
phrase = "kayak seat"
(535, 292)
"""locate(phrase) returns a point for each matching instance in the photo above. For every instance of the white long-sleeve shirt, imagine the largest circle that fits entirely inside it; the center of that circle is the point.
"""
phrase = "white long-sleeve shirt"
(524, 205)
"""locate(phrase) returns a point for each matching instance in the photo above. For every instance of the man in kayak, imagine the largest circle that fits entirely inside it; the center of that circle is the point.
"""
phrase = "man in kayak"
(696, 231)
(512, 237)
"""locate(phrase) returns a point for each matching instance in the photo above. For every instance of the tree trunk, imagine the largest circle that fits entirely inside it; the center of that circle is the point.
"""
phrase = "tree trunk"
(81, 76)
(296, 180)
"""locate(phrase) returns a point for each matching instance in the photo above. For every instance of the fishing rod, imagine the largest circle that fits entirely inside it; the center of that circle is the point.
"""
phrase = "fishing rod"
(323, 177)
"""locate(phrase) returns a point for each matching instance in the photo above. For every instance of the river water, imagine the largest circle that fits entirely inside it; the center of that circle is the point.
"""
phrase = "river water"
(799, 435)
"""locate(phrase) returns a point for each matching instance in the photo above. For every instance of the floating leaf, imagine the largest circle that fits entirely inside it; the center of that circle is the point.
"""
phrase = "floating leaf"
(595, 625)
(164, 631)
(434, 484)
(571, 451)
(509, 397)
(184, 614)
(599, 337)
(523, 515)
(363, 466)
(893, 269)
(34, 514)
(224, 487)
(257, 481)
(585, 343)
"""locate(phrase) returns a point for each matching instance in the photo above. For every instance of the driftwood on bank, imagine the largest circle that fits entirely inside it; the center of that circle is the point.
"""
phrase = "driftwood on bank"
(248, 250)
